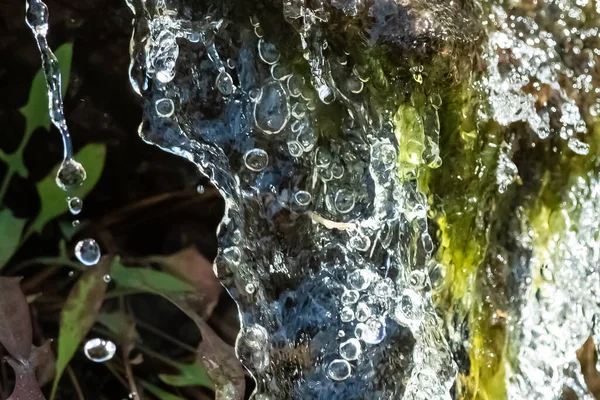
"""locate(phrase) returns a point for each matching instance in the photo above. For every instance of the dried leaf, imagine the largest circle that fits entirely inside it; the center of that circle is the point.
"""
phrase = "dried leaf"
(15, 321)
(26, 385)
(148, 280)
(52, 197)
(188, 375)
(79, 314)
(194, 268)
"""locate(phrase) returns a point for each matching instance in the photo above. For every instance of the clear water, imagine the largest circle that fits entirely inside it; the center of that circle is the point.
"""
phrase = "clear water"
(326, 245)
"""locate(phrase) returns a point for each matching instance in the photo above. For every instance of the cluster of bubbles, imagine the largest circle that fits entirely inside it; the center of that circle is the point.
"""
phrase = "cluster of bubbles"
(324, 248)
(561, 308)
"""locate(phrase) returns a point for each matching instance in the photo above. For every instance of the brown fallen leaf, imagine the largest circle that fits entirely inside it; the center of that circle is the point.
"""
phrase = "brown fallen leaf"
(15, 320)
(588, 358)
(191, 266)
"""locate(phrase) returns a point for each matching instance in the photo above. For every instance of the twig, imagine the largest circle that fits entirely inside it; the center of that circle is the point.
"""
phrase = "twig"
(75, 383)
(126, 349)
(30, 284)
(109, 366)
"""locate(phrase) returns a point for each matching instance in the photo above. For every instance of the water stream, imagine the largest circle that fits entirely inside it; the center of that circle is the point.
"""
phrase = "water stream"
(323, 125)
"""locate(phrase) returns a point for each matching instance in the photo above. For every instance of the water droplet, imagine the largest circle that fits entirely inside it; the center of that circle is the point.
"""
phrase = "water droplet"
(363, 311)
(350, 349)
(200, 189)
(350, 296)
(360, 279)
(354, 85)
(302, 197)
(75, 223)
(88, 252)
(99, 350)
(272, 110)
(107, 278)
(347, 314)
(295, 148)
(326, 95)
(70, 175)
(37, 17)
(338, 370)
(279, 72)
(344, 201)
(267, 52)
(230, 63)
(295, 84)
(578, 146)
(224, 83)
(250, 288)
(164, 107)
(75, 205)
(256, 159)
(435, 100)
(255, 95)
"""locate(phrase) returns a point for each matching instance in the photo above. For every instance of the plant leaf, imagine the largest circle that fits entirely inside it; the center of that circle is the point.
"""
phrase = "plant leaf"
(36, 109)
(10, 235)
(15, 321)
(26, 385)
(79, 314)
(122, 326)
(194, 268)
(188, 375)
(158, 392)
(148, 280)
(53, 198)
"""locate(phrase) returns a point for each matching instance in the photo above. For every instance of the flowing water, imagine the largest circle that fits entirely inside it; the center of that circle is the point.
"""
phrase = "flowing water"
(366, 152)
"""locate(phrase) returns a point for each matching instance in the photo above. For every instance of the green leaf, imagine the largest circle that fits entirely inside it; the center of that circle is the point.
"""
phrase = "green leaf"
(79, 314)
(53, 198)
(10, 235)
(148, 280)
(188, 375)
(158, 392)
(36, 109)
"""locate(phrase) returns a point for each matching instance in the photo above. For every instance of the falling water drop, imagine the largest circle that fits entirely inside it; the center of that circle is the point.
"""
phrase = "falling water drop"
(99, 350)
(37, 17)
(256, 159)
(164, 107)
(338, 370)
(88, 252)
(70, 175)
(107, 278)
(75, 205)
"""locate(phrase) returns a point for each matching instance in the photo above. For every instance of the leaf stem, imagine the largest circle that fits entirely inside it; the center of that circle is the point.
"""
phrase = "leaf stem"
(75, 383)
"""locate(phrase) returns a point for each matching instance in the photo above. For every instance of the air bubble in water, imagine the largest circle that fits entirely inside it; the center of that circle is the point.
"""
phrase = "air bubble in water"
(323, 158)
(272, 110)
(360, 279)
(417, 279)
(338, 370)
(350, 296)
(350, 349)
(70, 175)
(578, 146)
(267, 52)
(224, 83)
(107, 278)
(347, 314)
(99, 350)
(295, 148)
(371, 332)
(363, 312)
(360, 243)
(256, 159)
(302, 197)
(233, 255)
(164, 107)
(88, 252)
(298, 110)
(383, 289)
(75, 205)
(408, 309)
(344, 201)
(337, 170)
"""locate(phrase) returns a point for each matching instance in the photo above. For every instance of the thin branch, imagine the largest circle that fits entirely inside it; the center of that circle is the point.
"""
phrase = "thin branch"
(158, 332)
(75, 383)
